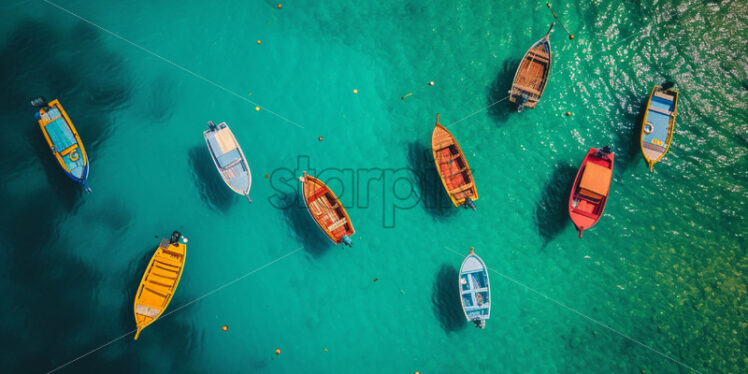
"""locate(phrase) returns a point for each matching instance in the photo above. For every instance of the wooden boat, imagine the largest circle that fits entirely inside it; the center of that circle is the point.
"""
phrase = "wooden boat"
(453, 167)
(228, 158)
(326, 210)
(160, 281)
(658, 124)
(63, 140)
(591, 186)
(532, 74)
(475, 291)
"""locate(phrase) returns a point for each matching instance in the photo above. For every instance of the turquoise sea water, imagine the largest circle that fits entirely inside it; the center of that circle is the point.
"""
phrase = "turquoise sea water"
(665, 266)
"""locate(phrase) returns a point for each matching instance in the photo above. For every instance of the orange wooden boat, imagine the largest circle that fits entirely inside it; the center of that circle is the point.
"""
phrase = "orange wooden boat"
(532, 74)
(591, 187)
(160, 281)
(453, 168)
(326, 210)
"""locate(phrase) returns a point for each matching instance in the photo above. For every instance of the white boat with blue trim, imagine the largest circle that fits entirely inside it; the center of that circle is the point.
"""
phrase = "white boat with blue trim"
(475, 291)
(228, 158)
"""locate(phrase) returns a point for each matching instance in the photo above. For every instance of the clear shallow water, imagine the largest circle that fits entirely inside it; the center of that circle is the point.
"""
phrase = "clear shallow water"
(665, 265)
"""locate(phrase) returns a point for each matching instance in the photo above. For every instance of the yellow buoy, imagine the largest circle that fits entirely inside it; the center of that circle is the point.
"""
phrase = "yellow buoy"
(225, 328)
(355, 91)
(259, 41)
(257, 109)
(277, 351)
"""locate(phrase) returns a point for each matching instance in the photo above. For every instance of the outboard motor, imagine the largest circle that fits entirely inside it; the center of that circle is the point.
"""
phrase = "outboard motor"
(668, 85)
(347, 241)
(469, 203)
(603, 152)
(211, 125)
(521, 103)
(39, 102)
(175, 237)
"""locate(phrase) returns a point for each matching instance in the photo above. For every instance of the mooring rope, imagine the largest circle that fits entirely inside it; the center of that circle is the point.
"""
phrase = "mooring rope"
(229, 283)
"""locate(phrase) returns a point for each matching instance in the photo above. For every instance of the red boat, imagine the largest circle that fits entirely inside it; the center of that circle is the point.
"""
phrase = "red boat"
(591, 187)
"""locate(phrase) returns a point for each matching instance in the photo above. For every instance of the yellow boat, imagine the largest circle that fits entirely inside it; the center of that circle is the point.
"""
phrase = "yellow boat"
(63, 139)
(658, 124)
(160, 281)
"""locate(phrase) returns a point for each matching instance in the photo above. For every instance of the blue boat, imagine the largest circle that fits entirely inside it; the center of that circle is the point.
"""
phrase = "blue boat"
(63, 140)
(475, 290)
(228, 158)
(658, 124)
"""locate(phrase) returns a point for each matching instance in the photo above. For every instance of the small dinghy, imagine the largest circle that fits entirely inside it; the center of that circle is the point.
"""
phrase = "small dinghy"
(658, 124)
(452, 167)
(160, 280)
(63, 140)
(475, 290)
(591, 186)
(532, 74)
(228, 158)
(326, 210)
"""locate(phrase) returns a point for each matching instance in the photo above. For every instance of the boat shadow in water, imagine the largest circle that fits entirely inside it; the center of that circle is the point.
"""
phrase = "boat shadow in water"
(627, 142)
(551, 210)
(303, 227)
(429, 186)
(213, 191)
(446, 299)
(75, 67)
(499, 90)
(68, 192)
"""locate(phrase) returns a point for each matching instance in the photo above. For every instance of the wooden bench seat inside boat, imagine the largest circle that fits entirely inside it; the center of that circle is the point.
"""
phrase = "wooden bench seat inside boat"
(167, 260)
(164, 277)
(158, 289)
(337, 224)
(595, 181)
(653, 147)
(658, 110)
(67, 150)
(664, 96)
(146, 310)
(540, 56)
(461, 188)
(528, 89)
